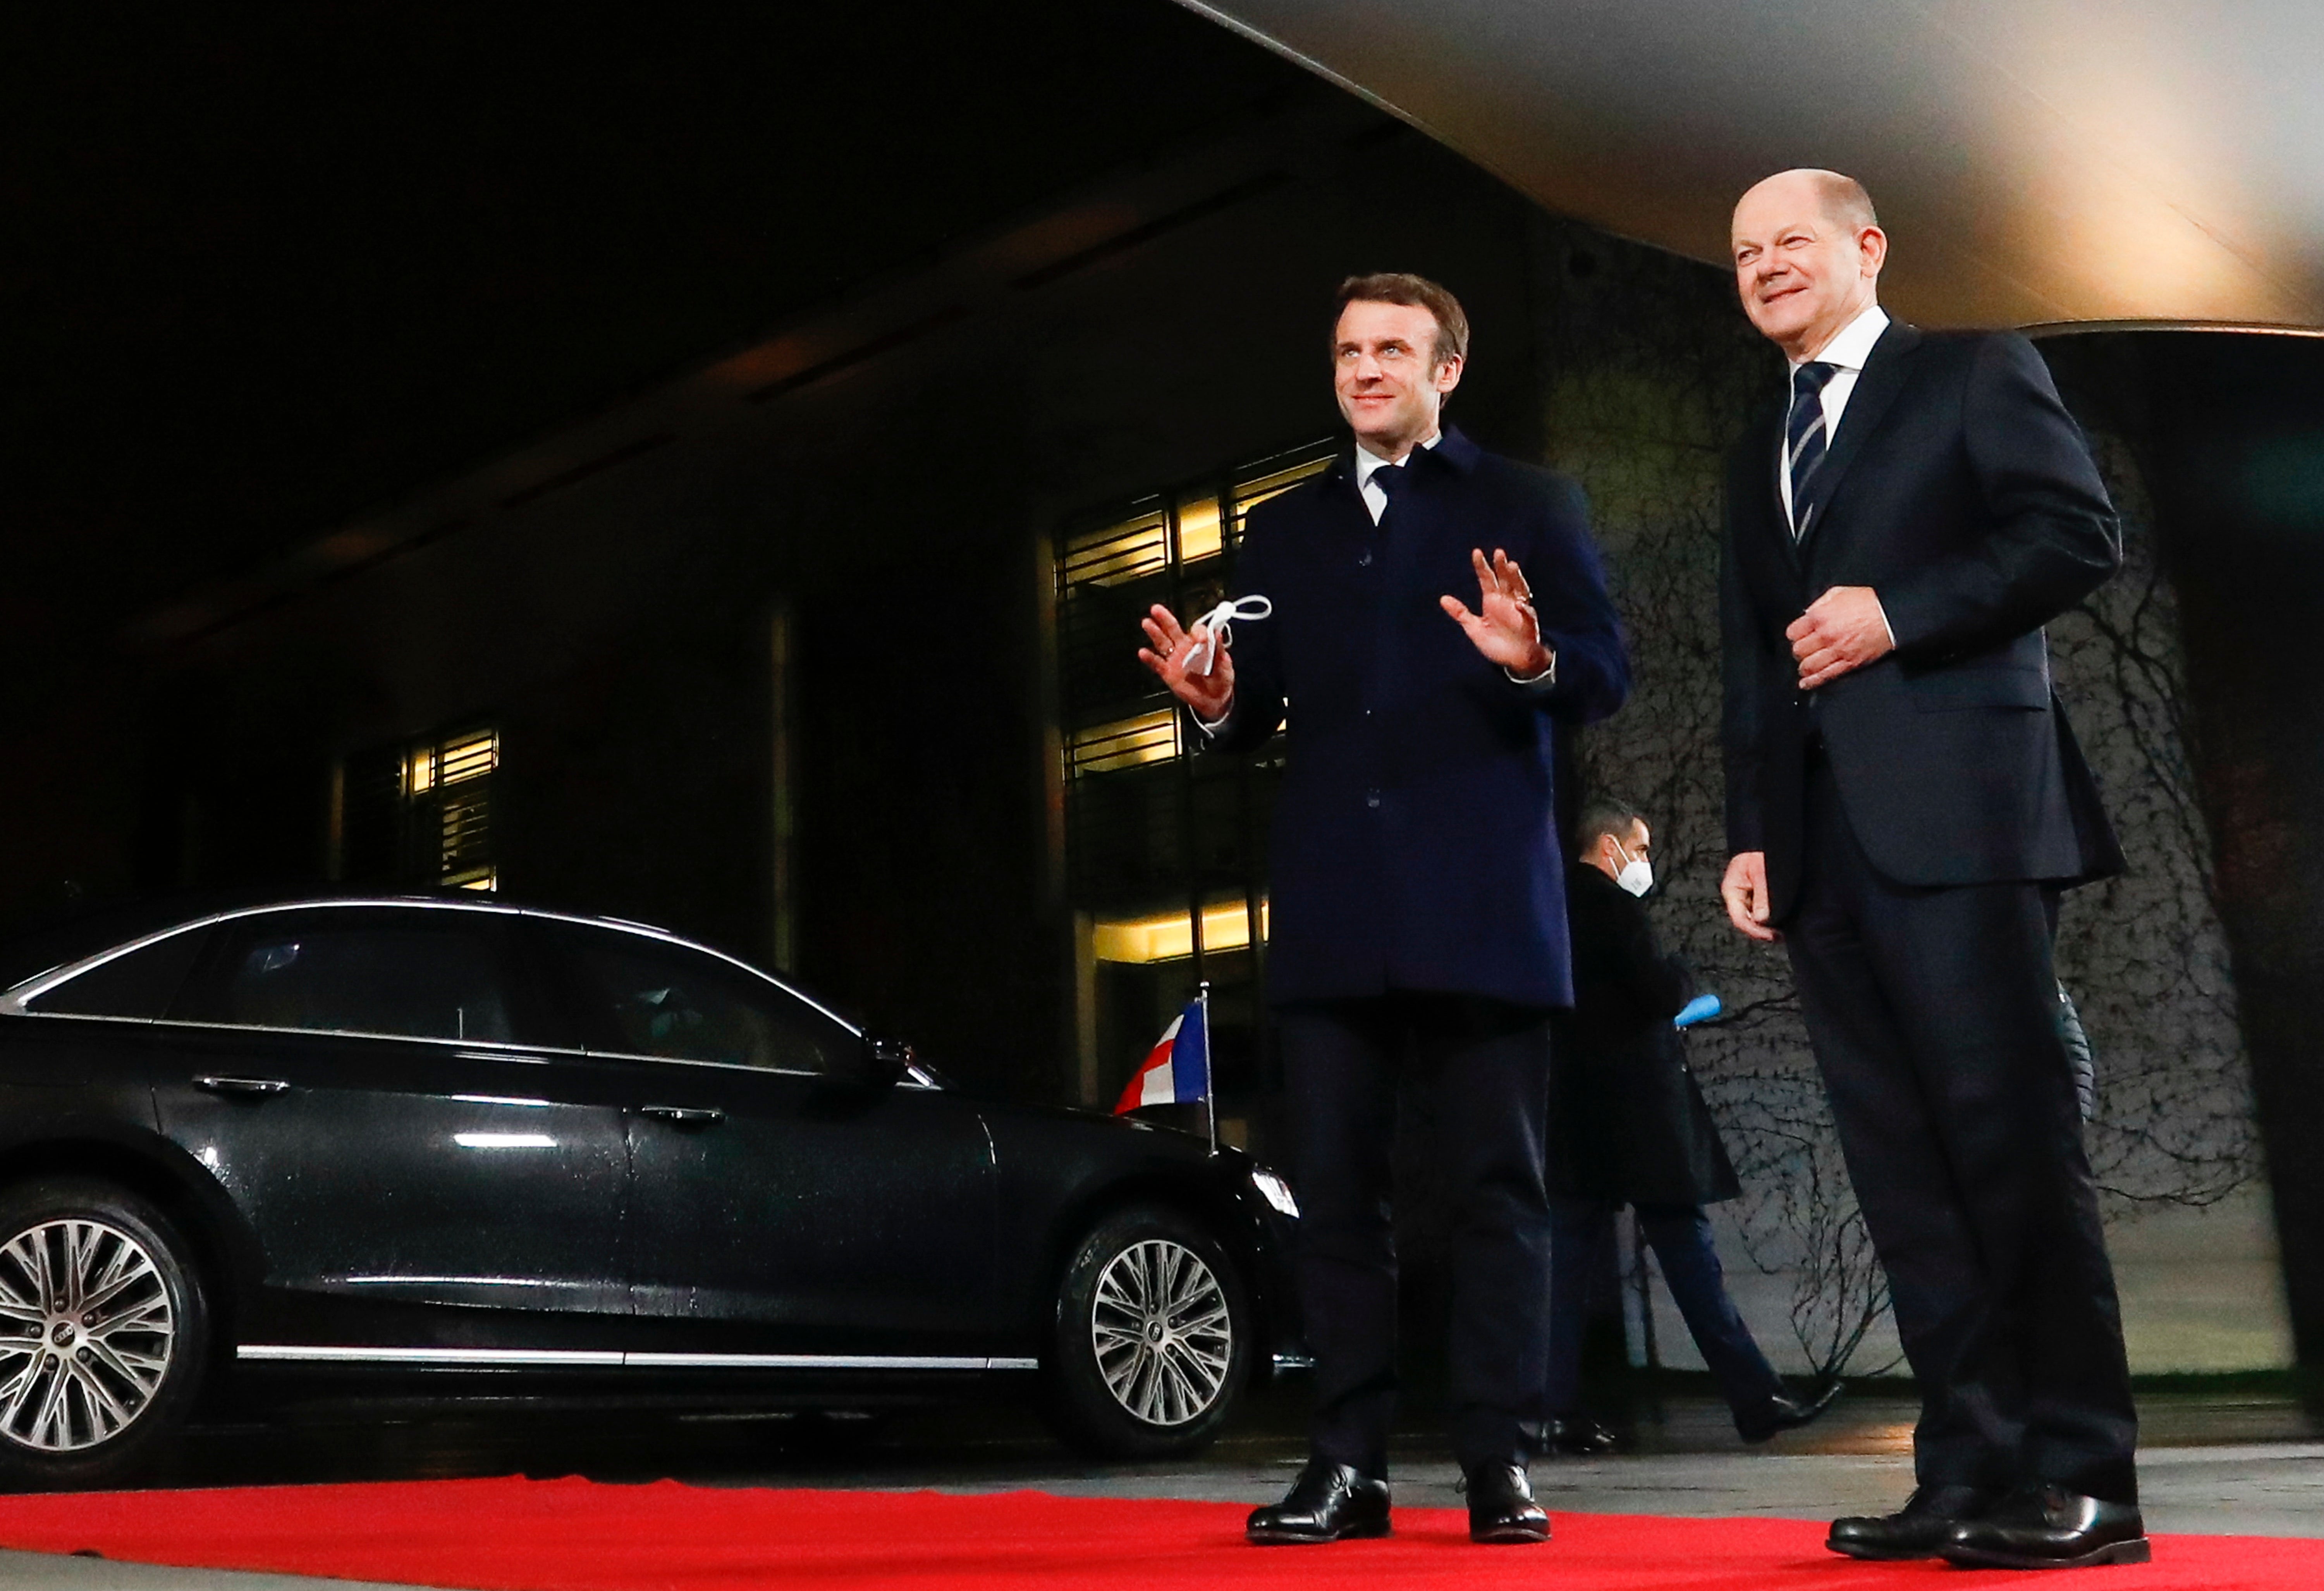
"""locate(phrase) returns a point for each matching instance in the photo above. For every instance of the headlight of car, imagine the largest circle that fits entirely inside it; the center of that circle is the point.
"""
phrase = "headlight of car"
(1274, 1191)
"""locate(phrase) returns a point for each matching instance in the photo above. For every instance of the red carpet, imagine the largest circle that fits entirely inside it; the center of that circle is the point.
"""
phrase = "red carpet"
(574, 1535)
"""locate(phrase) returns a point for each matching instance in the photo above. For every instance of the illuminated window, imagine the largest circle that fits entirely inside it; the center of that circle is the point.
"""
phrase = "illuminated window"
(1169, 936)
(418, 813)
(1164, 851)
(1150, 737)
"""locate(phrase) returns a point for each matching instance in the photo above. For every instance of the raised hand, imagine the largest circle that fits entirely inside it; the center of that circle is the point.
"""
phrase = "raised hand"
(1209, 690)
(1504, 627)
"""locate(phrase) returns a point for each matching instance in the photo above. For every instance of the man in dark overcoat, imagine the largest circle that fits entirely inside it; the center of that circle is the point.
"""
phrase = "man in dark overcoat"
(1417, 901)
(1905, 800)
(1628, 1125)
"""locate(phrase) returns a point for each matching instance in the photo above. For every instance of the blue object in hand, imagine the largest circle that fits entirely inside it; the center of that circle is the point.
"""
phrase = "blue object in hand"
(1701, 1008)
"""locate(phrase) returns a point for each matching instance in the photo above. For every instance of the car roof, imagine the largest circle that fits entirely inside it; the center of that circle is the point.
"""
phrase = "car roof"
(77, 936)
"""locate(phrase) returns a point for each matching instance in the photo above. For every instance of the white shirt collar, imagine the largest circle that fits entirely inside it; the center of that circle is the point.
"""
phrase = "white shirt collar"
(1852, 345)
(1368, 461)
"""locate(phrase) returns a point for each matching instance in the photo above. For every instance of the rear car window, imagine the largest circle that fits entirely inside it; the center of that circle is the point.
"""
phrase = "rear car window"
(423, 977)
(671, 1001)
(138, 984)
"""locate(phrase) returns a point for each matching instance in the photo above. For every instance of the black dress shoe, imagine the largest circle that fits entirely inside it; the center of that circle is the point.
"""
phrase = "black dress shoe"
(1918, 1530)
(1756, 1422)
(1501, 1509)
(2049, 1528)
(1327, 1502)
(1577, 1436)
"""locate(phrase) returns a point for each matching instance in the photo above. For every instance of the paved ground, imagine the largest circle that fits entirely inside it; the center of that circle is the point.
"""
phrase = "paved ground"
(2212, 1464)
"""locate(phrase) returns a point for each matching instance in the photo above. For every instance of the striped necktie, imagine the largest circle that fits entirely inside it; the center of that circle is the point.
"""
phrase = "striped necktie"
(1805, 431)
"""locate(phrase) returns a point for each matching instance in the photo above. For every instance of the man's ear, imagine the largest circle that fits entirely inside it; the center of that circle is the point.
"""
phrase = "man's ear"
(1447, 375)
(1872, 249)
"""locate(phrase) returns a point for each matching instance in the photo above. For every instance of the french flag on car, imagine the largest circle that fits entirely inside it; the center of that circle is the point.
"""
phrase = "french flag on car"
(1177, 1070)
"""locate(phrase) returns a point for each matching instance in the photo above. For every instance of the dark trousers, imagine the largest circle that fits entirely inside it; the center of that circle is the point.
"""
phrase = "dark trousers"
(1581, 1234)
(1933, 1015)
(1480, 1071)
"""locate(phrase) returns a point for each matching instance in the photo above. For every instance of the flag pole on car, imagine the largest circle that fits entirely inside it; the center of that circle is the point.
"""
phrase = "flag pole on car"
(1177, 1070)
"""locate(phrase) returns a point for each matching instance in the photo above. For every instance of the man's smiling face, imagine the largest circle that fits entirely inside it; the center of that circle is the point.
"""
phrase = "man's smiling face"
(1803, 271)
(1386, 374)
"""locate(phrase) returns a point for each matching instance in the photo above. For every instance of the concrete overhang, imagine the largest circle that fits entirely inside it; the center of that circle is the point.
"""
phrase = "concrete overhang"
(2034, 162)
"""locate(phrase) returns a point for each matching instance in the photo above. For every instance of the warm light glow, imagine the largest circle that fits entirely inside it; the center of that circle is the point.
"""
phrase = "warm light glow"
(420, 772)
(1150, 737)
(1170, 937)
(1120, 552)
(1200, 535)
(1250, 493)
(471, 757)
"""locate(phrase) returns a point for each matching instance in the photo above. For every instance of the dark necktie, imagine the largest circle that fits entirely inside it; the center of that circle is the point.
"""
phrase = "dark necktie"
(1805, 430)
(1388, 478)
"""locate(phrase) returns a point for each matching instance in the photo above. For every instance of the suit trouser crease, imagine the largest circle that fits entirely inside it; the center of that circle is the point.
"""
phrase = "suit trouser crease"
(1931, 1014)
(1479, 1071)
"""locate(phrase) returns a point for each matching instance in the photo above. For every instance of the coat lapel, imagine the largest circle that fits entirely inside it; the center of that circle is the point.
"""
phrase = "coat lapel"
(1884, 373)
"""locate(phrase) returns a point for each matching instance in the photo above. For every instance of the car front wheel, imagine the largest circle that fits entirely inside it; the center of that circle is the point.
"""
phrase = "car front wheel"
(102, 1331)
(1153, 1336)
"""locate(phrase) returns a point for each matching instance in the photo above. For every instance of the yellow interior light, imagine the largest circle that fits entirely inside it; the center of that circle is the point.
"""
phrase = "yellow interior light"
(1198, 530)
(1118, 552)
(1170, 937)
(1150, 737)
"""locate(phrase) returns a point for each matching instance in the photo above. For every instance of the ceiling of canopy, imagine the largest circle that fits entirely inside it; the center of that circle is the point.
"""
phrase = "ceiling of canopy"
(2033, 160)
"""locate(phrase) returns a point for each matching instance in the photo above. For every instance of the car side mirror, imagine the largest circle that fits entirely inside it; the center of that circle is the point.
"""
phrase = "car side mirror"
(881, 1063)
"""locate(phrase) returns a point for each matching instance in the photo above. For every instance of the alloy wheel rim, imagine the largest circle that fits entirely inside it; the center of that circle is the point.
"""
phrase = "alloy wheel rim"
(87, 1334)
(1162, 1331)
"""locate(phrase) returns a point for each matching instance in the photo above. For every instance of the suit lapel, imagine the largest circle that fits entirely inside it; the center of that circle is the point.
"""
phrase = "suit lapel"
(1762, 458)
(1885, 374)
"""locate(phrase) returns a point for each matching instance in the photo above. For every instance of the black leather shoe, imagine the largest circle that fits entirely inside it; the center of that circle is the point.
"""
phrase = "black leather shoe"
(1501, 1509)
(1918, 1530)
(1577, 1436)
(1781, 1412)
(2049, 1528)
(1327, 1502)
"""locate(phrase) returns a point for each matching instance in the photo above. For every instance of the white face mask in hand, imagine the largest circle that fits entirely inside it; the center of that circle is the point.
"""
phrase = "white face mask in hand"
(1218, 622)
(1638, 873)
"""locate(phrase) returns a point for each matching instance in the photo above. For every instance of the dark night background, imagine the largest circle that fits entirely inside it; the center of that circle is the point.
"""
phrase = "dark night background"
(273, 269)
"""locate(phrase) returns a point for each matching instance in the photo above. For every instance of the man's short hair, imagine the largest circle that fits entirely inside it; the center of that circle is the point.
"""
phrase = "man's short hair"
(1401, 287)
(1845, 201)
(1603, 814)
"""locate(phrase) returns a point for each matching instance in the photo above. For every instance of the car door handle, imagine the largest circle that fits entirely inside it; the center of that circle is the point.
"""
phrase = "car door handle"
(683, 1115)
(243, 1088)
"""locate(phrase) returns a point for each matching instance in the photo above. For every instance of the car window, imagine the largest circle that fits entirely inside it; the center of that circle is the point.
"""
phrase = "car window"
(674, 1003)
(433, 975)
(139, 984)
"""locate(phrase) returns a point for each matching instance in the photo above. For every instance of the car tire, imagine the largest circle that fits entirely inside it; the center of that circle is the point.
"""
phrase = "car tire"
(1153, 1337)
(104, 1332)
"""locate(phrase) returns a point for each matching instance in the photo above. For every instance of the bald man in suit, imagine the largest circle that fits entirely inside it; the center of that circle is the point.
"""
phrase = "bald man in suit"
(1905, 800)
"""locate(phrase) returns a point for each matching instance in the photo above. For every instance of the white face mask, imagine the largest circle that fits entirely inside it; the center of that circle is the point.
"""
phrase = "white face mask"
(1638, 873)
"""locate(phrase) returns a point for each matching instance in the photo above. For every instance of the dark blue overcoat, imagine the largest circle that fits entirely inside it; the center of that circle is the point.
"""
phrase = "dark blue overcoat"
(1413, 845)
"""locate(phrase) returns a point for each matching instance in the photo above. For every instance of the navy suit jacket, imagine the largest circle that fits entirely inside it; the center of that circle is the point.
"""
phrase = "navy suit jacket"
(1414, 842)
(1959, 489)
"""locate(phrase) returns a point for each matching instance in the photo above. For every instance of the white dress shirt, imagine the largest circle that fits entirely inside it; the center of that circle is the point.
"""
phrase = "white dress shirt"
(1847, 351)
(1368, 464)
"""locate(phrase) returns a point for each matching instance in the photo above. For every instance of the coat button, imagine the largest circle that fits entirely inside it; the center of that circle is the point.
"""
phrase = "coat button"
(1371, 798)
(1364, 559)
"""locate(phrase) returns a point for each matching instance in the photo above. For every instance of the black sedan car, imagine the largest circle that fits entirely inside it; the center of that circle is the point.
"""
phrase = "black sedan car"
(459, 1144)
